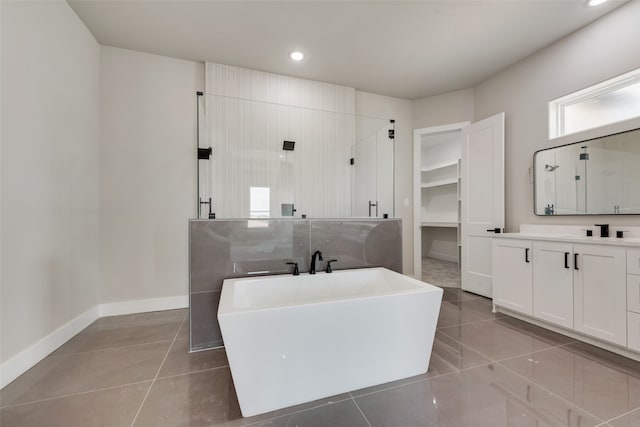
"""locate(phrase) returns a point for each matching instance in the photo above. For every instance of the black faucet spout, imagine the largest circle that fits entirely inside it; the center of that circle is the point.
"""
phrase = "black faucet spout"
(604, 230)
(316, 255)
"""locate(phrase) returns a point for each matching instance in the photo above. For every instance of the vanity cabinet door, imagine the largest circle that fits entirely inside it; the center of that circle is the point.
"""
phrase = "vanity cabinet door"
(600, 301)
(633, 321)
(633, 261)
(633, 293)
(512, 275)
(553, 283)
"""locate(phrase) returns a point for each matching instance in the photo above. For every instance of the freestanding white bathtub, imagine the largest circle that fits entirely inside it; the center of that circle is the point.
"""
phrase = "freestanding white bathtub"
(294, 339)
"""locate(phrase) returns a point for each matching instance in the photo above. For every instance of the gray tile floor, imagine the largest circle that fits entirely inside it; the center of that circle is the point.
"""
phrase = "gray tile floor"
(441, 273)
(486, 370)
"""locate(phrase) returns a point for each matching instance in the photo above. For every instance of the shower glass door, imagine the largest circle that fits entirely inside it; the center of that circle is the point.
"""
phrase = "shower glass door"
(272, 160)
(373, 180)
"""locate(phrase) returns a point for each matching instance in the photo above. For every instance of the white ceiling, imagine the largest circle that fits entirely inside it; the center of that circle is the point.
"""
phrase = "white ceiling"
(403, 49)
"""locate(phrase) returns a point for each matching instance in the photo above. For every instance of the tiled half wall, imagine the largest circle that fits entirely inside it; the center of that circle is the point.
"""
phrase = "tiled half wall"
(221, 249)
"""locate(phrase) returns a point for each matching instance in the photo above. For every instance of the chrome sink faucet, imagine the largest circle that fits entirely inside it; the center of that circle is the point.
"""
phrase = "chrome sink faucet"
(318, 254)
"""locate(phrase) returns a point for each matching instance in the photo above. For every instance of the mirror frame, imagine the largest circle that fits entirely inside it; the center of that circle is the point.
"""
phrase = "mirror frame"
(535, 190)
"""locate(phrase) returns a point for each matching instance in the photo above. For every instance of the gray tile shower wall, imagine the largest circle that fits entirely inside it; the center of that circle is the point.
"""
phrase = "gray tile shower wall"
(221, 249)
(237, 248)
(359, 243)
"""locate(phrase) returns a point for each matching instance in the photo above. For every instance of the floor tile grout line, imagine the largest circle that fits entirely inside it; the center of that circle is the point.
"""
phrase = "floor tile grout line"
(510, 357)
(469, 347)
(111, 348)
(92, 390)
(619, 416)
(118, 346)
(498, 361)
(598, 359)
(360, 409)
(451, 347)
(553, 393)
(157, 373)
(76, 394)
(193, 372)
(393, 387)
(440, 328)
(322, 405)
(527, 379)
(504, 359)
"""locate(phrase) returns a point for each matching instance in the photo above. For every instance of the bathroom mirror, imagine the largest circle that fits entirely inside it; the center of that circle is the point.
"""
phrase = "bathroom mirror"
(600, 176)
(269, 160)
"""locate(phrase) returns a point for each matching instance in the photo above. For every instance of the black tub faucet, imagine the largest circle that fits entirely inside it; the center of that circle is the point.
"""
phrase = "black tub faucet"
(318, 254)
(296, 271)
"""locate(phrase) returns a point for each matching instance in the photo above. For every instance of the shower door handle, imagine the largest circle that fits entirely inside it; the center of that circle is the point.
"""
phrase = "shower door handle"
(208, 202)
(371, 205)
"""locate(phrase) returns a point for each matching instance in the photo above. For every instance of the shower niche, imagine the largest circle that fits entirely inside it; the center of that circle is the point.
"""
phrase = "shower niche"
(260, 160)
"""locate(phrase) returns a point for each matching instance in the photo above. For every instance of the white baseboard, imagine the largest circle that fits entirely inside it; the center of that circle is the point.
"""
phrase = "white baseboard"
(143, 305)
(26, 359)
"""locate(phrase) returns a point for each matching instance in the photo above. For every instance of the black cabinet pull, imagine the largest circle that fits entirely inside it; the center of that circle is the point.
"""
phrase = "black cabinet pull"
(566, 260)
(526, 254)
(494, 230)
(575, 262)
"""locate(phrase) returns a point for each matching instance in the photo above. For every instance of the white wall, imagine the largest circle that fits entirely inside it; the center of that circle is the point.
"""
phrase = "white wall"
(369, 104)
(452, 107)
(49, 173)
(606, 48)
(147, 173)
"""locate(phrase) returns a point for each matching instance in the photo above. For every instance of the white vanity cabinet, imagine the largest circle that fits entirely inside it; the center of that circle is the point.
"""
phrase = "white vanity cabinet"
(633, 299)
(512, 278)
(600, 292)
(553, 283)
(580, 287)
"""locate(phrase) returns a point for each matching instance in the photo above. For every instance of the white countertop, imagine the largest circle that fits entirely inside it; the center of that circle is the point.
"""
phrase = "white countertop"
(612, 241)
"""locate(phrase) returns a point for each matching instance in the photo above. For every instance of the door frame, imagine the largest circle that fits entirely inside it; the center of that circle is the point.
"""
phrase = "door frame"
(417, 189)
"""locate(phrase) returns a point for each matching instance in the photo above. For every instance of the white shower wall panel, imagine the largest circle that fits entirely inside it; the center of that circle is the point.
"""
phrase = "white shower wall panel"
(246, 124)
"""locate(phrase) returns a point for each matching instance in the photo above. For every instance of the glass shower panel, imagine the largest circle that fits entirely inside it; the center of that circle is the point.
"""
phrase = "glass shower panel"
(373, 153)
(365, 157)
(272, 160)
(205, 193)
(385, 182)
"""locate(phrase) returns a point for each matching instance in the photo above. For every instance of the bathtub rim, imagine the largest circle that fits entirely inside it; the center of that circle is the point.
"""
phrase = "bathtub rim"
(225, 307)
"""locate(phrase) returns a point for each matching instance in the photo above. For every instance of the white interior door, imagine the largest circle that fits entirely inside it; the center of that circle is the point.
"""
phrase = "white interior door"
(482, 200)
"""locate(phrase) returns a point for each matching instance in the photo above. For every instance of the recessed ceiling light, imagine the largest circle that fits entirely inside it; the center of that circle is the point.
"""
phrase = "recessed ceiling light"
(592, 3)
(297, 56)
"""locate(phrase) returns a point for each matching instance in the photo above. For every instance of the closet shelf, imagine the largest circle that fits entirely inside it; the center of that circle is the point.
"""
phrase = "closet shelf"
(440, 182)
(439, 166)
(439, 224)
